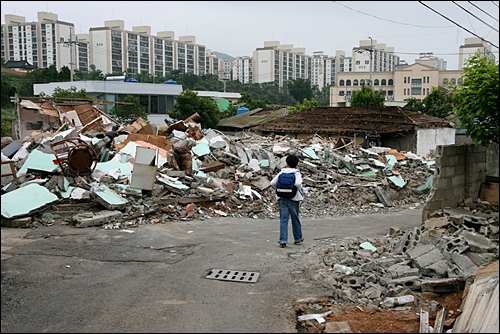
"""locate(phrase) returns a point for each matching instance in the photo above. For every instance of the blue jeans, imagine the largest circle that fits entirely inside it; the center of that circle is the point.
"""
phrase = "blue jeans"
(289, 209)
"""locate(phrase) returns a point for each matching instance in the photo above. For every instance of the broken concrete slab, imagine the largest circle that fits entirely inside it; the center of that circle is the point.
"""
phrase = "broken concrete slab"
(108, 198)
(26, 200)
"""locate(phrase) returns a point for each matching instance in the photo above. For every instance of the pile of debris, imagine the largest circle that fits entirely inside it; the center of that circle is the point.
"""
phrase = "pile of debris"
(123, 176)
(441, 257)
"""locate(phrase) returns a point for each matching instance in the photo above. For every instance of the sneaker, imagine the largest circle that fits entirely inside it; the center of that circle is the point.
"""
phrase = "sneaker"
(282, 245)
(298, 242)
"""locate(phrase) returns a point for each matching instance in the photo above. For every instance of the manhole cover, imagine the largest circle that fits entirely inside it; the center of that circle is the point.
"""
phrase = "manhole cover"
(233, 275)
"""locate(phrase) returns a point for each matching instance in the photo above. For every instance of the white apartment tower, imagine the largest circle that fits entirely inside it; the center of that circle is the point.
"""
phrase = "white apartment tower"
(243, 69)
(428, 58)
(318, 69)
(116, 50)
(43, 43)
(280, 63)
(382, 57)
(470, 47)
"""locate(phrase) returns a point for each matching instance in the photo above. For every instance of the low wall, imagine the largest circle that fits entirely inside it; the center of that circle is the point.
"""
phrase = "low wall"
(460, 172)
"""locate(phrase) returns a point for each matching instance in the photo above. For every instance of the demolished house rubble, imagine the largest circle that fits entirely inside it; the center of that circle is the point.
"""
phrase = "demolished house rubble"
(441, 256)
(134, 170)
(118, 177)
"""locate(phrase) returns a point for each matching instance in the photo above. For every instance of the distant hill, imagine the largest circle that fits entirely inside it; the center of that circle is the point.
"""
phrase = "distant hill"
(223, 56)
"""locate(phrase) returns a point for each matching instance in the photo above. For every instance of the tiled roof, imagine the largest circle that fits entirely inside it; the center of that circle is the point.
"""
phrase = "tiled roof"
(349, 120)
(252, 118)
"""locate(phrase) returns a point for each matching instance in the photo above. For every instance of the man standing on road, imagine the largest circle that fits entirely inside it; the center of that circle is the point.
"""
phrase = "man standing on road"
(289, 200)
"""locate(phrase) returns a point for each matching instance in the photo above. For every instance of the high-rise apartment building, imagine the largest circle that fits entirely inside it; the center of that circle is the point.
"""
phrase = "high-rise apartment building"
(280, 63)
(470, 47)
(42, 44)
(383, 58)
(116, 50)
(243, 69)
(428, 58)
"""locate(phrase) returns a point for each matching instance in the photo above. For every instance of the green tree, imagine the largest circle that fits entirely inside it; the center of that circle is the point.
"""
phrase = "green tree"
(307, 104)
(438, 102)
(92, 75)
(8, 90)
(367, 97)
(188, 103)
(125, 113)
(300, 89)
(476, 100)
(414, 104)
(70, 93)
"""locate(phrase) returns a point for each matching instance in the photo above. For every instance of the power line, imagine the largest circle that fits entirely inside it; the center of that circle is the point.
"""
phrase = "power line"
(482, 11)
(406, 24)
(495, 3)
(470, 32)
(475, 16)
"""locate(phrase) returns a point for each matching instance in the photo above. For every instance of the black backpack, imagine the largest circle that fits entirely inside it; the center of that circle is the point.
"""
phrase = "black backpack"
(285, 188)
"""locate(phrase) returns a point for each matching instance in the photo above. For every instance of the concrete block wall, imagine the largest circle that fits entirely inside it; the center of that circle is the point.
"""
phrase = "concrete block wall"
(460, 171)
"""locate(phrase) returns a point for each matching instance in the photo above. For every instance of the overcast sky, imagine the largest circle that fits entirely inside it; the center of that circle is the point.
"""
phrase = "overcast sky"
(237, 28)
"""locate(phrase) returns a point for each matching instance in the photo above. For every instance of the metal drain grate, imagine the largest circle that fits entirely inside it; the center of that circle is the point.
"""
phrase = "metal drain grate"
(233, 275)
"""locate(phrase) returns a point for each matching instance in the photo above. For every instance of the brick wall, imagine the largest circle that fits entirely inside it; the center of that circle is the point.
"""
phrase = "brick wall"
(460, 171)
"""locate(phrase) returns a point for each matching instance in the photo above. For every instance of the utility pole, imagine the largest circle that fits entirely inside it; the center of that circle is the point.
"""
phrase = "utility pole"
(70, 42)
(371, 59)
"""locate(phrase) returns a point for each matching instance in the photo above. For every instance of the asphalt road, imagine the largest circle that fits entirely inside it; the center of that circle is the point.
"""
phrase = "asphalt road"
(64, 279)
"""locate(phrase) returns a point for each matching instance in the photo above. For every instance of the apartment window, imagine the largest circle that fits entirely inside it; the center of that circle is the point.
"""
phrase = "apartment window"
(384, 83)
(445, 81)
(341, 93)
(416, 87)
(453, 81)
(428, 80)
(341, 83)
(404, 91)
(348, 83)
(376, 82)
(355, 82)
(405, 80)
(391, 82)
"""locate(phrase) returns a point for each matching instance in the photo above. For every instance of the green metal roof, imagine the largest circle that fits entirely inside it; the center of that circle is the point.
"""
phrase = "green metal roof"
(223, 104)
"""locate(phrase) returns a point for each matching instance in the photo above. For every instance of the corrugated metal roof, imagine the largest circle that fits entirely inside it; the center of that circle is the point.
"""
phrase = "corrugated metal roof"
(252, 118)
(349, 120)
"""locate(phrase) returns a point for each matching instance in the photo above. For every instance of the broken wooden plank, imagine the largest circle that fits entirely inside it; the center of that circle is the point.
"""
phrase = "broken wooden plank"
(439, 322)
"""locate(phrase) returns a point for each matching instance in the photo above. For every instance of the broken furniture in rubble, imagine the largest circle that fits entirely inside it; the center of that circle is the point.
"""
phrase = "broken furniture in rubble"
(75, 157)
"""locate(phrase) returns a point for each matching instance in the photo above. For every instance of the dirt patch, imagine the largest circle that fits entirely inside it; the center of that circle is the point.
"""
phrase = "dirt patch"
(403, 319)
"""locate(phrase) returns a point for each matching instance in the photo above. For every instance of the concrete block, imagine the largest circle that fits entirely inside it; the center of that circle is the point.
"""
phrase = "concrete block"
(428, 259)
(354, 281)
(397, 270)
(477, 243)
(456, 245)
(89, 219)
(411, 282)
(373, 292)
(443, 285)
(437, 269)
(385, 263)
(419, 250)
(464, 263)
